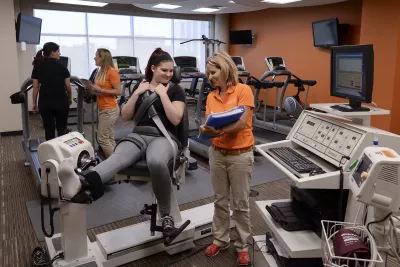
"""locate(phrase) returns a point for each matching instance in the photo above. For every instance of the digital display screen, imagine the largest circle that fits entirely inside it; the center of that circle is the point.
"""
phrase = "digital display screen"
(310, 123)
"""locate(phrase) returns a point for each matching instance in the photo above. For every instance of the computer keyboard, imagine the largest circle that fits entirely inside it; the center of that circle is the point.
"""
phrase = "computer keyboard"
(294, 160)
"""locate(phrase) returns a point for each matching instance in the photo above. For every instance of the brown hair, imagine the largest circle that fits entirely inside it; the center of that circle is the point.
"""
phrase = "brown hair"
(156, 58)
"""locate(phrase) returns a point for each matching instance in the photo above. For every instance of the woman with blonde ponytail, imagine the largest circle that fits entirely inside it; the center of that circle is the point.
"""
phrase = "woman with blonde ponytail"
(108, 85)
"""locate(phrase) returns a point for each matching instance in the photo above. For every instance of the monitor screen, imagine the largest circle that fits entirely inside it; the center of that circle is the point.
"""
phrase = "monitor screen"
(28, 29)
(352, 71)
(325, 32)
(186, 62)
(273, 62)
(241, 37)
(125, 62)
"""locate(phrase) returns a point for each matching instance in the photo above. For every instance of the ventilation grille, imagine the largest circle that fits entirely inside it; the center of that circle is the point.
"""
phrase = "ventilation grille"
(389, 174)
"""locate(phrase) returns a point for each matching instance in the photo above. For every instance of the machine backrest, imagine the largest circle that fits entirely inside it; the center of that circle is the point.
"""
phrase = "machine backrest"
(183, 127)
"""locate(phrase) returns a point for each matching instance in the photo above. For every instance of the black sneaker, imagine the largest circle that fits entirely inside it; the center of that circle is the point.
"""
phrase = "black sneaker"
(39, 258)
(168, 224)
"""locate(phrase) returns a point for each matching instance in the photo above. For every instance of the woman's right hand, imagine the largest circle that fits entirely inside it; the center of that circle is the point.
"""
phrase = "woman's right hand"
(143, 87)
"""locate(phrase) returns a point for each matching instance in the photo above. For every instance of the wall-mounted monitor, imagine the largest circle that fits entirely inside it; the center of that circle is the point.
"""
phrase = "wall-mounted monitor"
(28, 29)
(241, 37)
(325, 32)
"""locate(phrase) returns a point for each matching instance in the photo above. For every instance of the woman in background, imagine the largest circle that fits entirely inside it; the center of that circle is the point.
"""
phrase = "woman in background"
(52, 79)
(108, 86)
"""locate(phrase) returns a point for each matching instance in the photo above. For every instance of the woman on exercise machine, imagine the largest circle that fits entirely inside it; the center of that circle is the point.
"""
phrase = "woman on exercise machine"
(170, 107)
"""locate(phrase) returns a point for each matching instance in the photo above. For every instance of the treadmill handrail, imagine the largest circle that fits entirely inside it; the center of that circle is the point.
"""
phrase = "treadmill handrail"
(275, 73)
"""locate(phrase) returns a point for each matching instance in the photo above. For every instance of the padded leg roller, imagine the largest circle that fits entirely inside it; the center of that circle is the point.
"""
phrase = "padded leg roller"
(92, 186)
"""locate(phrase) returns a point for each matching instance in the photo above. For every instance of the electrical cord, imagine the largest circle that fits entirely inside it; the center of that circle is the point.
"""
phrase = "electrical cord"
(382, 220)
(51, 210)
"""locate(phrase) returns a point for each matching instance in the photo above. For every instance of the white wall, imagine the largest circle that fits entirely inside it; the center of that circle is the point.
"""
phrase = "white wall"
(221, 30)
(10, 115)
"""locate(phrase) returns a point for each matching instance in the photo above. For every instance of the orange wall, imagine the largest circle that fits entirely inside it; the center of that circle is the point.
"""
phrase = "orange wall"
(287, 32)
(380, 26)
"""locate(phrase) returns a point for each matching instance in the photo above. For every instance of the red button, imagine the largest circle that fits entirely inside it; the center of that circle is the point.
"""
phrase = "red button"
(80, 141)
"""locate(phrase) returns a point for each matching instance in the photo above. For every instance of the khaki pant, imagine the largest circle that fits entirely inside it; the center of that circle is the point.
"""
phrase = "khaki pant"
(231, 175)
(105, 130)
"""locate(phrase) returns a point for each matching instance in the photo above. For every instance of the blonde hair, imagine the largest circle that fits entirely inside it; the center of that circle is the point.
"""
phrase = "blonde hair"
(224, 62)
(106, 63)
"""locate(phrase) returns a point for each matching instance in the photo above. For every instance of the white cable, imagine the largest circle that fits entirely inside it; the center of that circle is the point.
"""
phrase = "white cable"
(358, 212)
(374, 104)
(393, 230)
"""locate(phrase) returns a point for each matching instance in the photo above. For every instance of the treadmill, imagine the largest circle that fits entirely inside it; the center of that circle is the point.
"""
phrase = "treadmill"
(239, 62)
(129, 73)
(277, 120)
(190, 70)
(29, 145)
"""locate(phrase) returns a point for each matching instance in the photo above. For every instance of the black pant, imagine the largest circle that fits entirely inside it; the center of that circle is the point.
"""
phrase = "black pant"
(54, 119)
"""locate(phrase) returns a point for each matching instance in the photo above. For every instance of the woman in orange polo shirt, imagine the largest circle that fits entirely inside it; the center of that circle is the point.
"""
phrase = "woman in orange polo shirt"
(231, 156)
(108, 85)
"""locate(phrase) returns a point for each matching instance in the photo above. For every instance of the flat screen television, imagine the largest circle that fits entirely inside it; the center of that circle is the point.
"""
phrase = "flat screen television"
(241, 37)
(28, 29)
(325, 32)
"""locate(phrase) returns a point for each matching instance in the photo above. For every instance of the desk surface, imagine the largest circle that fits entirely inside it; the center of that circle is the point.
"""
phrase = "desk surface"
(327, 108)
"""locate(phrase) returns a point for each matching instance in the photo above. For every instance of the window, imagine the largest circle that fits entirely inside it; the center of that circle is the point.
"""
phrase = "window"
(109, 25)
(145, 46)
(117, 47)
(152, 27)
(81, 34)
(74, 48)
(62, 22)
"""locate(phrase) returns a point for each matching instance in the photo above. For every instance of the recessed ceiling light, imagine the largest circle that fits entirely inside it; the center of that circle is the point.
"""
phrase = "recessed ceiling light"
(79, 2)
(280, 1)
(232, 2)
(206, 10)
(166, 6)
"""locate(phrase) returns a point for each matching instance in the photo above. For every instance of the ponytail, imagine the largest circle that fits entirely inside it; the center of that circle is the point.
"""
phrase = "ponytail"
(46, 51)
(38, 59)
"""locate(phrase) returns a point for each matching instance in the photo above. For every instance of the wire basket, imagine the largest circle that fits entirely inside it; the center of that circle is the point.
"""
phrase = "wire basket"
(329, 230)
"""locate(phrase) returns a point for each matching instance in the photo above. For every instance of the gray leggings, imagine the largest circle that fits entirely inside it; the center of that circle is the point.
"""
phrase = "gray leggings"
(158, 153)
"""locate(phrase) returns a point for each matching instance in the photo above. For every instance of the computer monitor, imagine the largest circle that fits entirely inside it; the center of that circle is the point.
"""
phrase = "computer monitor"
(352, 76)
(66, 61)
(325, 32)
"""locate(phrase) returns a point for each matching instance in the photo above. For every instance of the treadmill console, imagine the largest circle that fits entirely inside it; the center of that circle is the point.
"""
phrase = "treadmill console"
(332, 140)
(273, 62)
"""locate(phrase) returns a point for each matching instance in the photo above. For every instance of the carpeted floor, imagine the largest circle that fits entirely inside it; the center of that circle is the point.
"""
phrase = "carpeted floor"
(17, 235)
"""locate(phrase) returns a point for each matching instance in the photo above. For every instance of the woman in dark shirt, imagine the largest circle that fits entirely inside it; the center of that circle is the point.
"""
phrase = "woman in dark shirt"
(52, 79)
(170, 107)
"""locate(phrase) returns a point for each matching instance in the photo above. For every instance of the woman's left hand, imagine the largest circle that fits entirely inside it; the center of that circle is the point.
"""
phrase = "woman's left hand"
(161, 89)
(209, 130)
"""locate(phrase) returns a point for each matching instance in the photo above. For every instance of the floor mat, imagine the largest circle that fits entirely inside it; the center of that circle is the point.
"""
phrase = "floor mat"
(126, 200)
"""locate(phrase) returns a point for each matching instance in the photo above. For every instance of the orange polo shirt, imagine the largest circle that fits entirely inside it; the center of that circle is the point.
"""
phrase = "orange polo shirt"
(105, 101)
(239, 95)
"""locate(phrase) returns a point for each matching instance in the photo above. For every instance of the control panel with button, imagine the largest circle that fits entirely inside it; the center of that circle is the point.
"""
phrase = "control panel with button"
(73, 142)
(327, 137)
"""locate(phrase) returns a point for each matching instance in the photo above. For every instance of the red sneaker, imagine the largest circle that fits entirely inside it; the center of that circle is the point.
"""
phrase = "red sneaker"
(213, 250)
(243, 258)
